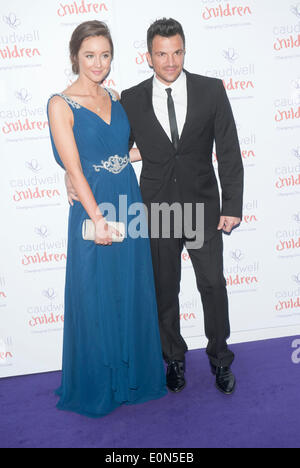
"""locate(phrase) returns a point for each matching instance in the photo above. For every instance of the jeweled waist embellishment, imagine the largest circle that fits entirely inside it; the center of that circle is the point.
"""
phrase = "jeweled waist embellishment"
(115, 164)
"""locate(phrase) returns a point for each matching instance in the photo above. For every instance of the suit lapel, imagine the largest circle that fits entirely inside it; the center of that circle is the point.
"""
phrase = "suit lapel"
(191, 105)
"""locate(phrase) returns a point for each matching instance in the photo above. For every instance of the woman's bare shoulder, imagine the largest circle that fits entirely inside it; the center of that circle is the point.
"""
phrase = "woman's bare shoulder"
(59, 109)
(114, 93)
(57, 102)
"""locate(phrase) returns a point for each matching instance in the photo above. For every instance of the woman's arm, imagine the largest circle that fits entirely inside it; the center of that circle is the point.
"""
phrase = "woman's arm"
(72, 195)
(61, 124)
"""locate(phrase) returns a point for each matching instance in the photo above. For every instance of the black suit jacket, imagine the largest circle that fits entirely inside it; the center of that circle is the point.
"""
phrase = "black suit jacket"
(187, 175)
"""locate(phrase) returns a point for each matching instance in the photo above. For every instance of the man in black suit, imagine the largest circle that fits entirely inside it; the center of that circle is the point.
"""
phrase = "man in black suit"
(175, 118)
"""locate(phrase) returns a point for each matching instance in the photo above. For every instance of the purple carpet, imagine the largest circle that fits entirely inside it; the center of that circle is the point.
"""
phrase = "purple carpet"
(263, 413)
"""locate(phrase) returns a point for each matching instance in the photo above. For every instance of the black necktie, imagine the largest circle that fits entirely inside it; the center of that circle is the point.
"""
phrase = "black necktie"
(172, 118)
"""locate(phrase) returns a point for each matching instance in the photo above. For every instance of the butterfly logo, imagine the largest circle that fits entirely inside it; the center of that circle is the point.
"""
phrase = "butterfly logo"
(296, 83)
(296, 152)
(23, 95)
(42, 231)
(231, 55)
(296, 10)
(50, 294)
(33, 166)
(296, 278)
(12, 21)
(237, 255)
(296, 218)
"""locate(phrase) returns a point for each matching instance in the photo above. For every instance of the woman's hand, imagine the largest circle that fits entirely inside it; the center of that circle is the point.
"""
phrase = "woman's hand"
(71, 192)
(104, 232)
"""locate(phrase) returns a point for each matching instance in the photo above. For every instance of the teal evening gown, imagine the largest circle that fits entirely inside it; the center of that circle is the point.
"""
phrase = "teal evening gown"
(111, 351)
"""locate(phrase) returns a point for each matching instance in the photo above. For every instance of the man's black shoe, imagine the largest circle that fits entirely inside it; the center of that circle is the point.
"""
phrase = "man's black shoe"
(175, 376)
(225, 380)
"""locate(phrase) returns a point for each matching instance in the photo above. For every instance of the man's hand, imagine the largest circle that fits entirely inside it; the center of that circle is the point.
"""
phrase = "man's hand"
(72, 195)
(227, 223)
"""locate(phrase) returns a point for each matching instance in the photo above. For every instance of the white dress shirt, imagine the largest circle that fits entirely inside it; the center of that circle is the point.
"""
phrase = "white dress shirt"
(160, 103)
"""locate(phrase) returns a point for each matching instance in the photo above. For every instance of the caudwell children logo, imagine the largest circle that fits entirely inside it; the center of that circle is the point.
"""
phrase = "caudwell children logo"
(31, 190)
(240, 274)
(24, 117)
(36, 187)
(236, 76)
(287, 108)
(47, 314)
(287, 36)
(287, 176)
(44, 252)
(288, 299)
(17, 43)
(288, 240)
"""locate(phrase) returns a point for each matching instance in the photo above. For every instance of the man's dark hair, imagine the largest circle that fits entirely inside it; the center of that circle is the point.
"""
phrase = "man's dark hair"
(165, 28)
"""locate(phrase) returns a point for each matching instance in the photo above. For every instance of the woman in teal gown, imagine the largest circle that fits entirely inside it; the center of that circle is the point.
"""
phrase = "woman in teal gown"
(111, 351)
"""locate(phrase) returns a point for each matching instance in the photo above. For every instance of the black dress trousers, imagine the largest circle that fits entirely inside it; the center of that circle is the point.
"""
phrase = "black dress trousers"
(208, 266)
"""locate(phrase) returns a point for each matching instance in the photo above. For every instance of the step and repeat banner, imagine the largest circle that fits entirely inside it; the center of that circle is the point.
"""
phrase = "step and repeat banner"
(254, 47)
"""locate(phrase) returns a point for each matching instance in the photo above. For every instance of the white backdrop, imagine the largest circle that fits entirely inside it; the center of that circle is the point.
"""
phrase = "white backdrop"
(254, 46)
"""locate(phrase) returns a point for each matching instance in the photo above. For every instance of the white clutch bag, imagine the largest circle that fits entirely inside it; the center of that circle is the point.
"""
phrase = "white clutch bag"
(89, 230)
